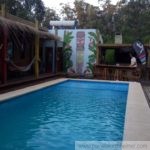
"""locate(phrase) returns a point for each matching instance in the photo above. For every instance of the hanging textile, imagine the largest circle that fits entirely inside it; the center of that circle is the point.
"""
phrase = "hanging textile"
(21, 68)
(140, 51)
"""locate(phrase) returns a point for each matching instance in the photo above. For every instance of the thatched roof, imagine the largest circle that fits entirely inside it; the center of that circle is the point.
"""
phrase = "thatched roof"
(26, 28)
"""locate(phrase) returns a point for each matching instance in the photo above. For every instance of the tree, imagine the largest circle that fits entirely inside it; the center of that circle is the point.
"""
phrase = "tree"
(39, 10)
(131, 18)
(33, 9)
(107, 21)
(132, 28)
(80, 9)
(50, 14)
(67, 51)
(67, 12)
(86, 14)
(13, 6)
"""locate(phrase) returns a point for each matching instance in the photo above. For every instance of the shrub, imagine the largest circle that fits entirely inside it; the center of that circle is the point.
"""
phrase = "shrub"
(110, 56)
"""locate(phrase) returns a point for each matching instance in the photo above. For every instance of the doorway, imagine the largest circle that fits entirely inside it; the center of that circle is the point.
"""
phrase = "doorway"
(59, 60)
(49, 59)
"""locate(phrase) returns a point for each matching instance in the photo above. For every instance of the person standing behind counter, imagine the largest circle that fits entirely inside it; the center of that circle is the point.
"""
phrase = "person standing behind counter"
(133, 62)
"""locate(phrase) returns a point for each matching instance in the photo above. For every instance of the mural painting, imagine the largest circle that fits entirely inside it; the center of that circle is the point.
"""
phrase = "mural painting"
(80, 51)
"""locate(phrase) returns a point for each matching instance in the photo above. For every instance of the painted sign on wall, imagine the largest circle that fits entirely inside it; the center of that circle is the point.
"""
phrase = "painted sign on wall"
(80, 51)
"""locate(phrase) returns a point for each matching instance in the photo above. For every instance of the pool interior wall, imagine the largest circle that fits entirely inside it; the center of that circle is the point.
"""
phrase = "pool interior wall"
(20, 92)
(26, 121)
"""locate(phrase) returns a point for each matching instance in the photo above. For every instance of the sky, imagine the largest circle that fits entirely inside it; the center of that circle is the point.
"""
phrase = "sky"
(55, 4)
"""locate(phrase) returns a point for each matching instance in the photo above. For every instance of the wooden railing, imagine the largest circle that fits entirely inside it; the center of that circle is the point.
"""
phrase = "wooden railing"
(113, 72)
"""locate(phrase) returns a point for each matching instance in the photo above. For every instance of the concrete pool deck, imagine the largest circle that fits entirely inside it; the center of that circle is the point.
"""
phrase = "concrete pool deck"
(137, 117)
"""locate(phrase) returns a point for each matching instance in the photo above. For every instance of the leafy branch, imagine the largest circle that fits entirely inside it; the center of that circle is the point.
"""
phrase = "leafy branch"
(67, 50)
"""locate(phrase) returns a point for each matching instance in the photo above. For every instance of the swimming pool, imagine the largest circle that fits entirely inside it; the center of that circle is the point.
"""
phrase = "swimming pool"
(57, 116)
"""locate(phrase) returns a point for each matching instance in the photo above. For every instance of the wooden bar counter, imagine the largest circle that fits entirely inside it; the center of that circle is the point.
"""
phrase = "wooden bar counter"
(116, 72)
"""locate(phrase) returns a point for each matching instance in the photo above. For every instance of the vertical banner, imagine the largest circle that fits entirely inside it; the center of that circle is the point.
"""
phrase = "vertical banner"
(80, 51)
(140, 51)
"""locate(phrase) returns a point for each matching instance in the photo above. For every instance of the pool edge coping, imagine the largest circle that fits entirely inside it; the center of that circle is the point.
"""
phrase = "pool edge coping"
(137, 116)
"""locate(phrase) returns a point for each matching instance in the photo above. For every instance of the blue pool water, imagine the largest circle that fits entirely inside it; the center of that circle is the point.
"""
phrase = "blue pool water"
(55, 117)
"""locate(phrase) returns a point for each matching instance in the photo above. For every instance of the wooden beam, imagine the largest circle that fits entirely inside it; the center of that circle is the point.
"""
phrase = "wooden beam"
(37, 45)
(97, 48)
(4, 55)
(148, 60)
(97, 54)
(3, 10)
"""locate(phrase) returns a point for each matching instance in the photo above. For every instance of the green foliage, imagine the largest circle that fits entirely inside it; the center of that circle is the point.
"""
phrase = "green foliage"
(92, 47)
(93, 35)
(110, 56)
(26, 9)
(132, 28)
(67, 50)
(67, 12)
(50, 14)
(86, 14)
(67, 38)
(39, 10)
(146, 39)
(131, 18)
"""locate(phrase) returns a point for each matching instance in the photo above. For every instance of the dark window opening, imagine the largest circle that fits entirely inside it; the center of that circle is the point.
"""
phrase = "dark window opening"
(112, 56)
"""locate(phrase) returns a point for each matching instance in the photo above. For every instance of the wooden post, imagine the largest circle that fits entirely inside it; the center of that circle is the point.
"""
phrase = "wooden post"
(97, 54)
(4, 55)
(55, 52)
(3, 10)
(4, 47)
(97, 46)
(37, 45)
(148, 61)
